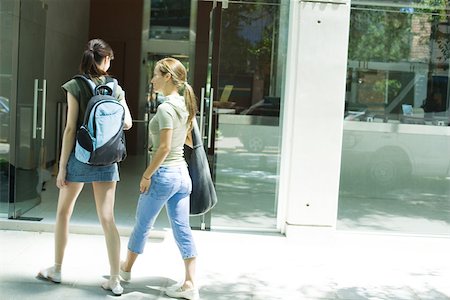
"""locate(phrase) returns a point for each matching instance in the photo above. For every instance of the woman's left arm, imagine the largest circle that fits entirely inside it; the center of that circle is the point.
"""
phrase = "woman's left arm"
(165, 143)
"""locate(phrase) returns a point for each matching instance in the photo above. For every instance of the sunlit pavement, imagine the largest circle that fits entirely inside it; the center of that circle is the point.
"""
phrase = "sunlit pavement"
(319, 264)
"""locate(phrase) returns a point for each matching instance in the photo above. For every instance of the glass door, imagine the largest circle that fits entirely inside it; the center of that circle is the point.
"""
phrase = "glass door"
(23, 89)
(238, 79)
(7, 20)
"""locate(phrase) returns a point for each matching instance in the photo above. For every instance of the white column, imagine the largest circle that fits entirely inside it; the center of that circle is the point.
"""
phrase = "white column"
(313, 114)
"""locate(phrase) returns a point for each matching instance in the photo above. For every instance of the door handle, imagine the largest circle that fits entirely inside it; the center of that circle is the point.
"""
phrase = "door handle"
(211, 98)
(44, 104)
(35, 107)
(202, 111)
(35, 100)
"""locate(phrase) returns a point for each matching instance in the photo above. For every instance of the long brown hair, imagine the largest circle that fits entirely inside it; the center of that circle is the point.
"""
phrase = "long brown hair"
(96, 50)
(179, 78)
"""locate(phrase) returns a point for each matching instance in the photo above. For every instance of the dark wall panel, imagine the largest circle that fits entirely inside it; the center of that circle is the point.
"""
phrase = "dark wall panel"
(119, 22)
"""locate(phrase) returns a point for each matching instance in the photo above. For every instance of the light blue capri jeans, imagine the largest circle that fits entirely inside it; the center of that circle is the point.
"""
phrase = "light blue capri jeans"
(170, 186)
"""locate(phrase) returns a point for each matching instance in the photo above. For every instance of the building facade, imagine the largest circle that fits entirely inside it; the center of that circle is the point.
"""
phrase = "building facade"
(332, 114)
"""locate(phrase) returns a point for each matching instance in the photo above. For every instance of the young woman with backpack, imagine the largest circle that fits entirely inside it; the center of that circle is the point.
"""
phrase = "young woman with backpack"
(166, 181)
(72, 173)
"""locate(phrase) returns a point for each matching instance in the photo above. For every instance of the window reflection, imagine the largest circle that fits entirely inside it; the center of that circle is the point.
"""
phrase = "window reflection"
(251, 65)
(395, 165)
(4, 119)
(169, 19)
(7, 20)
(248, 79)
(398, 65)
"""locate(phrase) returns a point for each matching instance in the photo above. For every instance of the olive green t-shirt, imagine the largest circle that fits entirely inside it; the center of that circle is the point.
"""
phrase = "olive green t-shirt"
(82, 92)
(171, 114)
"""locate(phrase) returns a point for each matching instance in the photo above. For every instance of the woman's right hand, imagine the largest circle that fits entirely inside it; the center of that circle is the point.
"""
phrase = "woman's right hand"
(61, 178)
(144, 184)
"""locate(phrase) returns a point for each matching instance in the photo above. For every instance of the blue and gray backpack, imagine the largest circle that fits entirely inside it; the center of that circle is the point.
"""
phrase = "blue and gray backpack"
(100, 139)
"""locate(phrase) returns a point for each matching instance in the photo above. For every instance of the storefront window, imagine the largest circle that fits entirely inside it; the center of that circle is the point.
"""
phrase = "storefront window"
(395, 171)
(250, 74)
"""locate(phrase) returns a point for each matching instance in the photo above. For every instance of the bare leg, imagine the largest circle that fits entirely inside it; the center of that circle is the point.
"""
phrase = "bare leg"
(66, 201)
(189, 265)
(188, 290)
(104, 193)
(129, 262)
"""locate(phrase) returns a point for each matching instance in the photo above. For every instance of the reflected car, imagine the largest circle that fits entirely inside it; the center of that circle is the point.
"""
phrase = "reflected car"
(268, 106)
(379, 152)
(4, 119)
(263, 128)
(387, 155)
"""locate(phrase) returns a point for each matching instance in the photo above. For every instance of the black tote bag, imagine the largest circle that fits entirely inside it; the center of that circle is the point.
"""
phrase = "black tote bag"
(203, 197)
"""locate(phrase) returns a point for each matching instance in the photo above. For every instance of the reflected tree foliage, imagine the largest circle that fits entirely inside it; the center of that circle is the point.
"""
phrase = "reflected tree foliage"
(393, 34)
(248, 33)
(379, 36)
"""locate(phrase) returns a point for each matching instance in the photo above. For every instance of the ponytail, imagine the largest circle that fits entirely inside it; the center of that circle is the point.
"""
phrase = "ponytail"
(191, 103)
(96, 50)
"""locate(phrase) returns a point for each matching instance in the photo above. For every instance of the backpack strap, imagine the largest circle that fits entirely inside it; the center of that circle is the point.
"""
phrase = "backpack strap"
(114, 89)
(88, 81)
(93, 86)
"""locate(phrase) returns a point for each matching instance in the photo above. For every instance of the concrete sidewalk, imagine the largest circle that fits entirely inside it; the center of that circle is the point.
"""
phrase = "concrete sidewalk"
(322, 264)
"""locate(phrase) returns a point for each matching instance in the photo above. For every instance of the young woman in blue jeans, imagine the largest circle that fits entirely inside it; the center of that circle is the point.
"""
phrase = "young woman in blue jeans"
(166, 180)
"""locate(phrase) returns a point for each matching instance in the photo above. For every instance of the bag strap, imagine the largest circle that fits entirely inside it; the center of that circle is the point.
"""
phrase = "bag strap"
(93, 86)
(195, 132)
(114, 87)
(88, 81)
(108, 82)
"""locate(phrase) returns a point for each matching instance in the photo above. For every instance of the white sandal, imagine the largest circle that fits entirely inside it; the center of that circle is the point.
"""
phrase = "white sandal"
(126, 276)
(50, 274)
(113, 286)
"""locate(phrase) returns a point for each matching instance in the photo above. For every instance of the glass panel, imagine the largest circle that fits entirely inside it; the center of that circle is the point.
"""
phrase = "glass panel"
(6, 60)
(169, 19)
(22, 94)
(396, 140)
(247, 111)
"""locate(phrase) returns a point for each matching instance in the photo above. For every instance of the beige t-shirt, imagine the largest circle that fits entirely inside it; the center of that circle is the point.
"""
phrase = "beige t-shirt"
(171, 114)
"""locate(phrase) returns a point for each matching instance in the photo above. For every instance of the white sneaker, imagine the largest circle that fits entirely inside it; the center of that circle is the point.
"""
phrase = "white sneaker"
(114, 287)
(178, 292)
(126, 276)
(50, 274)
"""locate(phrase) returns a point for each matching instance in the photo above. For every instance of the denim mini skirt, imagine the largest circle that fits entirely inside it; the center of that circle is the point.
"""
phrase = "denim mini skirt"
(81, 172)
